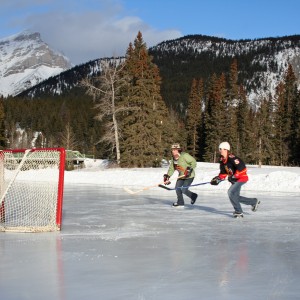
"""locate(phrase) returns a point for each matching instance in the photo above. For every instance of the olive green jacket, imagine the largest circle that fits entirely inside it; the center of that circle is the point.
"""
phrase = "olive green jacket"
(185, 160)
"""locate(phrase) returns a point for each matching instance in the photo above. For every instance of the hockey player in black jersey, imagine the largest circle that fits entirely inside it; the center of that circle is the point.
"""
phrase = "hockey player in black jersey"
(233, 167)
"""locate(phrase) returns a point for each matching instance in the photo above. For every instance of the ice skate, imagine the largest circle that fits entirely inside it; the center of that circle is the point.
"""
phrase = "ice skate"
(238, 214)
(175, 204)
(254, 207)
(193, 200)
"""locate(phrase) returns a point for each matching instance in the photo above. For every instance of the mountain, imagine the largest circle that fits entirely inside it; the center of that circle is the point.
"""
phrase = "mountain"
(261, 65)
(25, 60)
(66, 80)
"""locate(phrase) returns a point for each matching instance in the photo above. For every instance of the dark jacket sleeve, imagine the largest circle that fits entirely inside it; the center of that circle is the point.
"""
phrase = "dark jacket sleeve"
(223, 174)
(240, 169)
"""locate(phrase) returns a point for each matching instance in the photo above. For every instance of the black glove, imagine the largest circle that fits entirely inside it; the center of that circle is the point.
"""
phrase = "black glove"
(216, 180)
(188, 171)
(232, 179)
(166, 179)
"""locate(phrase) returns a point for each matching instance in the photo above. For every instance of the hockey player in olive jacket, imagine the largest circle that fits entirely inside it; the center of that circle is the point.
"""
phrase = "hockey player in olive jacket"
(185, 164)
(233, 167)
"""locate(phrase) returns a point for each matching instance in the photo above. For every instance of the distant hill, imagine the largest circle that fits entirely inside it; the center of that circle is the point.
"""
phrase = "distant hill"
(261, 65)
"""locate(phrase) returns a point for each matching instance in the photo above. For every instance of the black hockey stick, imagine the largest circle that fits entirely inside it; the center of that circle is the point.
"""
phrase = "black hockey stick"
(181, 187)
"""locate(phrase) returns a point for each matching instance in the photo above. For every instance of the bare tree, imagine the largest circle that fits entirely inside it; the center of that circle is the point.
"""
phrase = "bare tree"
(68, 139)
(105, 90)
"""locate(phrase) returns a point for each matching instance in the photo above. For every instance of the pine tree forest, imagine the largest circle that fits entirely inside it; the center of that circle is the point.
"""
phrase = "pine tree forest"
(139, 128)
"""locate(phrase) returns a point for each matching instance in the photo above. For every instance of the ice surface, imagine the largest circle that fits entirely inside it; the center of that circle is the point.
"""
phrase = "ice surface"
(119, 246)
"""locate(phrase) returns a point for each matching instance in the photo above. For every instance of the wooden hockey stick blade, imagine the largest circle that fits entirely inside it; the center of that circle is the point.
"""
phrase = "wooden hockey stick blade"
(136, 192)
(148, 187)
(128, 190)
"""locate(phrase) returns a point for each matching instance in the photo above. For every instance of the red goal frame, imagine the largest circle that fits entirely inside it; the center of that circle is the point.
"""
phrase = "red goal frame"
(60, 191)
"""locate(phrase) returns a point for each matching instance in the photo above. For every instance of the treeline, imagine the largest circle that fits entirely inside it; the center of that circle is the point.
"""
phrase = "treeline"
(55, 121)
(122, 115)
(220, 111)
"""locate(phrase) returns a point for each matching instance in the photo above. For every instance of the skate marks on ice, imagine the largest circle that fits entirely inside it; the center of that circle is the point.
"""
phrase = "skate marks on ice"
(117, 246)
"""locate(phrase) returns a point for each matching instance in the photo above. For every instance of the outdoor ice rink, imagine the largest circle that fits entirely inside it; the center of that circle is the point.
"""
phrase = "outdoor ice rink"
(114, 245)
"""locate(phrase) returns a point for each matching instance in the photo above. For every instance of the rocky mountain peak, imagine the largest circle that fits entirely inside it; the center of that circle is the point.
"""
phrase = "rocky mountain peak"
(25, 60)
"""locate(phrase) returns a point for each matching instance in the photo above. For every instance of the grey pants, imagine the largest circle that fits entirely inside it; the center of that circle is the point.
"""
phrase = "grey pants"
(236, 199)
(179, 192)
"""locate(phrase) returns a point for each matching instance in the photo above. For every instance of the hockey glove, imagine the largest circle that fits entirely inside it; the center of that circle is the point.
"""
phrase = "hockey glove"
(216, 180)
(232, 179)
(166, 179)
(188, 171)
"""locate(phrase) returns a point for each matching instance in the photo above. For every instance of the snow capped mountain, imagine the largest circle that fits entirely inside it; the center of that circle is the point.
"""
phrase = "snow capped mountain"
(25, 60)
(262, 64)
(268, 57)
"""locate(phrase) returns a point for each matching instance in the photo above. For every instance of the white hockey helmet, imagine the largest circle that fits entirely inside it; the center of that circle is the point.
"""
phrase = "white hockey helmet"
(224, 145)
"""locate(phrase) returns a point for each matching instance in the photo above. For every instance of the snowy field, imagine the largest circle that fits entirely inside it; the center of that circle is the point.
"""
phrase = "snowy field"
(114, 245)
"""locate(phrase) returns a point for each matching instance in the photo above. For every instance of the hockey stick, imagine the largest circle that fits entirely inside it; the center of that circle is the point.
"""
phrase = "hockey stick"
(15, 175)
(182, 187)
(147, 187)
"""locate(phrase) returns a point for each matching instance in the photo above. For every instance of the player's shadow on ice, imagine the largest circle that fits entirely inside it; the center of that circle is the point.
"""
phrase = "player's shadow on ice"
(191, 207)
(209, 209)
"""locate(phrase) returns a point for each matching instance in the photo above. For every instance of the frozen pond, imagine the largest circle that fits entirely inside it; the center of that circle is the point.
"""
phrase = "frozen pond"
(119, 246)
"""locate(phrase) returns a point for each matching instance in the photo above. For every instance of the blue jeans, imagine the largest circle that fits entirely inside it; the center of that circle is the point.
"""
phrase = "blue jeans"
(236, 199)
(179, 192)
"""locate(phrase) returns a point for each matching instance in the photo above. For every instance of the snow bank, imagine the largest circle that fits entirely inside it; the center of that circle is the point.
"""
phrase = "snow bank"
(266, 178)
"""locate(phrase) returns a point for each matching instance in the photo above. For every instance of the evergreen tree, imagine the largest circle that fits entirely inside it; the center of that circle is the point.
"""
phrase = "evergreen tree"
(194, 117)
(290, 101)
(265, 133)
(222, 92)
(279, 138)
(286, 116)
(295, 129)
(214, 117)
(146, 127)
(233, 91)
(250, 154)
(244, 128)
(231, 103)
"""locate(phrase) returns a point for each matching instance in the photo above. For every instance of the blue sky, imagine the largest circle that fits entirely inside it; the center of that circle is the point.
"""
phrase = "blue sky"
(89, 29)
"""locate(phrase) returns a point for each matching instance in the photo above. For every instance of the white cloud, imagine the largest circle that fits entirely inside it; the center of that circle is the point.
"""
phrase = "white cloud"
(86, 35)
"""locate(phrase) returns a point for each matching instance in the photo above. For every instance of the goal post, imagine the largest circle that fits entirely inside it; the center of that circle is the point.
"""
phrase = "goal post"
(31, 189)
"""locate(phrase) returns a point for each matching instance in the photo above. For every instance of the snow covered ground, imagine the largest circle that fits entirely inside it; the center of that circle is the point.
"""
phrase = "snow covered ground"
(114, 245)
(264, 179)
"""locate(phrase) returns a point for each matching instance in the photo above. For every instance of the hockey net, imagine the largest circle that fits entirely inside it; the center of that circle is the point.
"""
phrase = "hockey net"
(31, 189)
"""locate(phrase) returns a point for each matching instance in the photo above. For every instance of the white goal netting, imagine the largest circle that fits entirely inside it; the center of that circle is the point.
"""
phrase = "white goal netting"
(31, 189)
